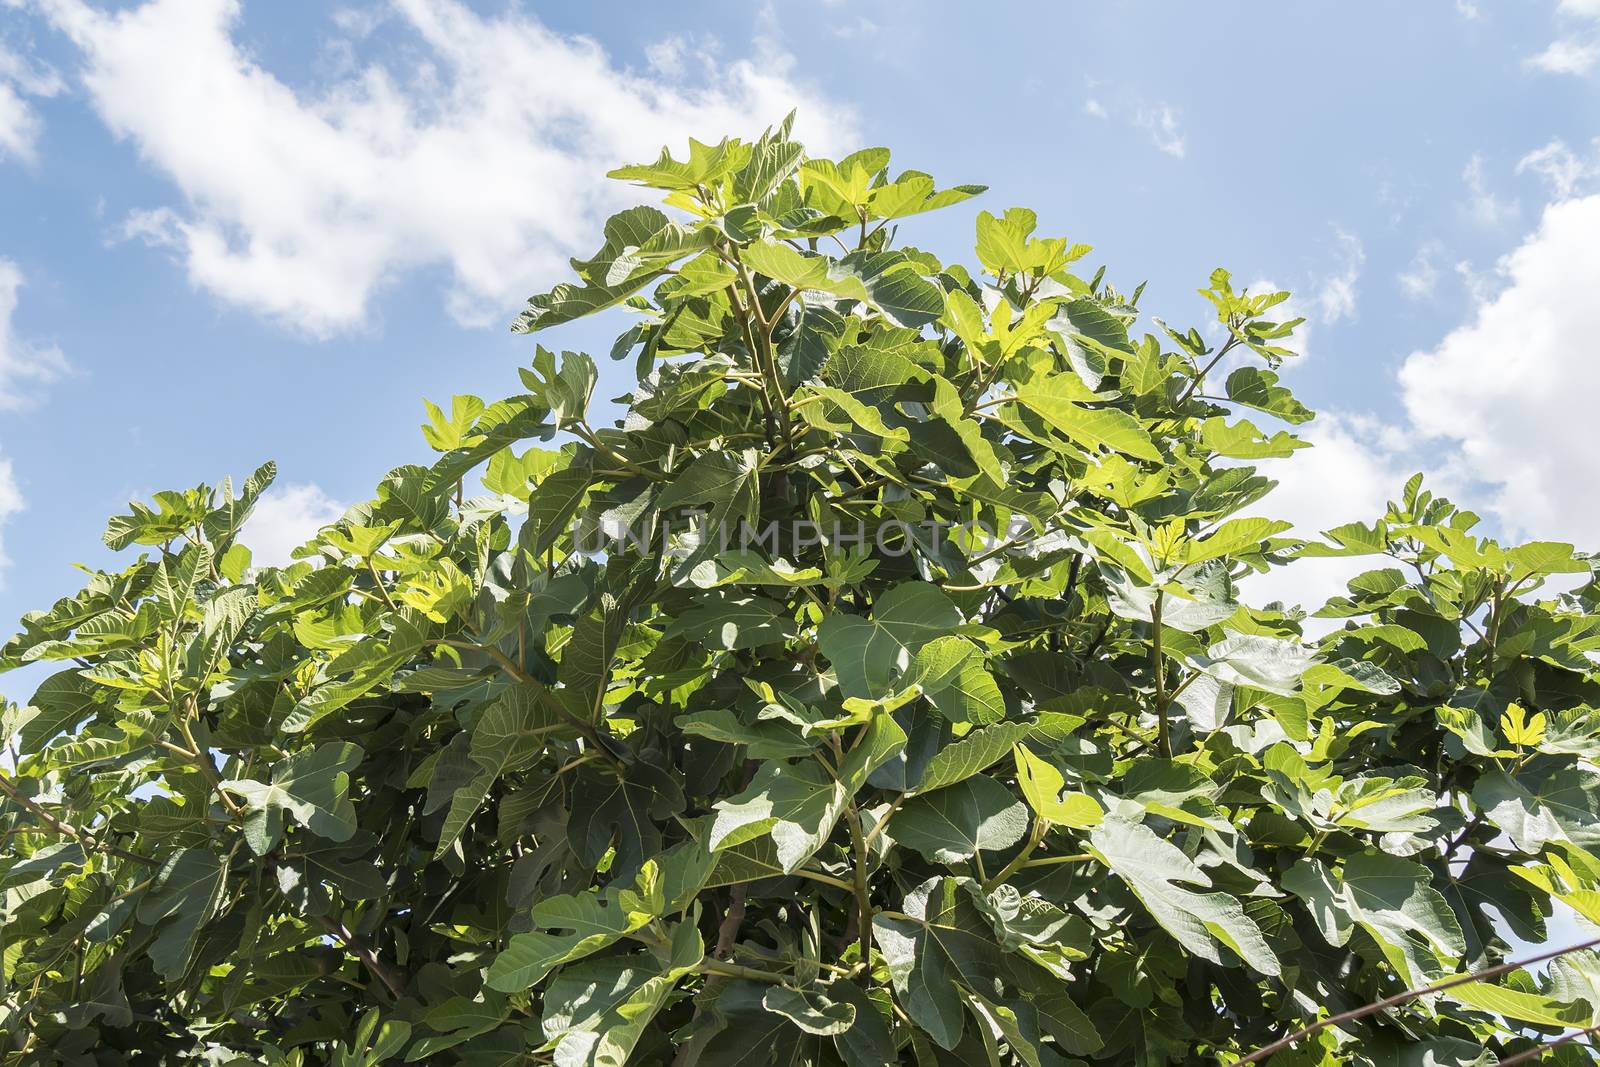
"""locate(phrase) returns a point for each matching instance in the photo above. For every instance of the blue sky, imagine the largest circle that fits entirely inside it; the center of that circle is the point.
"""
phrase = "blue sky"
(232, 231)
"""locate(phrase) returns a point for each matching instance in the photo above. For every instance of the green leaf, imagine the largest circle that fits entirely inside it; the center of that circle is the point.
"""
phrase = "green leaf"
(943, 942)
(732, 622)
(1090, 428)
(640, 243)
(1391, 899)
(596, 1011)
(551, 506)
(952, 674)
(1267, 663)
(311, 786)
(1041, 784)
(868, 654)
(976, 752)
(625, 812)
(1542, 805)
(811, 1011)
(1259, 389)
(799, 803)
(572, 927)
(952, 824)
(1201, 922)
(885, 281)
(707, 165)
(764, 738)
(181, 899)
(63, 700)
(1242, 440)
(1521, 1006)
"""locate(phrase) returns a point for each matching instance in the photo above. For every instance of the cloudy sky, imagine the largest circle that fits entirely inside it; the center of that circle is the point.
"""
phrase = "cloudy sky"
(233, 230)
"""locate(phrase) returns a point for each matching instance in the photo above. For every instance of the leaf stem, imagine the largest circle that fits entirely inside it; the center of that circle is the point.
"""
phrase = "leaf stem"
(382, 589)
(585, 432)
(1158, 666)
(883, 820)
(1036, 835)
(825, 879)
(863, 891)
(1200, 376)
(1046, 861)
(735, 970)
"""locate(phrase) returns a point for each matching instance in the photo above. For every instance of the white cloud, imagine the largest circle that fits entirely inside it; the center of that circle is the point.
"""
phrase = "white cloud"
(1513, 389)
(666, 57)
(859, 27)
(1354, 467)
(19, 126)
(1324, 299)
(1578, 49)
(1567, 56)
(23, 363)
(1162, 124)
(11, 502)
(284, 519)
(482, 152)
(1563, 170)
(1095, 108)
(19, 123)
(1335, 296)
(1482, 204)
(1468, 10)
(1419, 280)
(1480, 284)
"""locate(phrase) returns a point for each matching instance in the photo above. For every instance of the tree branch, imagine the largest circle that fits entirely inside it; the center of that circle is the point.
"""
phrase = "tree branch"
(1538, 1051)
(1403, 998)
(82, 837)
(379, 969)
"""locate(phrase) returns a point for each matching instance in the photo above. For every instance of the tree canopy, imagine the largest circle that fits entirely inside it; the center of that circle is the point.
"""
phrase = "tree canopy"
(876, 688)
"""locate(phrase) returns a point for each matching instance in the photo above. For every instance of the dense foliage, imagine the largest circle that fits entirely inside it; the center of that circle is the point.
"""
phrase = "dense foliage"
(875, 690)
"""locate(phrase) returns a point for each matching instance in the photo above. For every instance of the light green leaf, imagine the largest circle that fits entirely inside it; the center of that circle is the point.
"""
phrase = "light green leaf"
(1153, 868)
(1090, 428)
(1389, 897)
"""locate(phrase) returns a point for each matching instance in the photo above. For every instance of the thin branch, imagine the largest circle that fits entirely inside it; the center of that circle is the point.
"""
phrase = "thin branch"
(732, 919)
(1538, 1051)
(202, 760)
(368, 957)
(61, 829)
(1200, 377)
(1403, 998)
